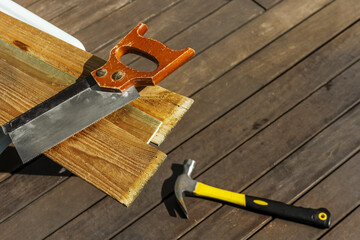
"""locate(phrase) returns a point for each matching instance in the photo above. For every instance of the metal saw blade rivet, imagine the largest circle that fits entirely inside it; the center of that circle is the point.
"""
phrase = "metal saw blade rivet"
(117, 76)
(101, 72)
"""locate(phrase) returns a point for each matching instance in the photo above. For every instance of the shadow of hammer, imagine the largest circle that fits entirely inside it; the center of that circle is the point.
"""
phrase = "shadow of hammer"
(185, 184)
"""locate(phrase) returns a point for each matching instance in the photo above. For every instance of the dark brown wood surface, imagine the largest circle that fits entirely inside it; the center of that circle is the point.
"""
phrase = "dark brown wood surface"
(276, 114)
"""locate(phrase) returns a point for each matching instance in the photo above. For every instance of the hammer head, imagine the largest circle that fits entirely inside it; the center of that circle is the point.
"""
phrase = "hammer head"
(185, 184)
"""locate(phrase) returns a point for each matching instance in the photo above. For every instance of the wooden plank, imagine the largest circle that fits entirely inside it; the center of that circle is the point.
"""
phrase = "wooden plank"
(25, 3)
(242, 43)
(50, 9)
(20, 70)
(83, 14)
(205, 32)
(77, 63)
(25, 87)
(167, 92)
(32, 221)
(260, 154)
(119, 165)
(331, 193)
(328, 150)
(172, 110)
(111, 170)
(348, 228)
(28, 184)
(198, 147)
(267, 3)
(214, 100)
(125, 18)
(177, 19)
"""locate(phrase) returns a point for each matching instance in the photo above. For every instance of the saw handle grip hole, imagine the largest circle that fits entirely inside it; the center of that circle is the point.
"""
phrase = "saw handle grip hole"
(140, 61)
(101, 72)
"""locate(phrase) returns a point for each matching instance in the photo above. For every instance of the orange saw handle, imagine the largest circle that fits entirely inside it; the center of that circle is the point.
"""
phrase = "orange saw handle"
(116, 75)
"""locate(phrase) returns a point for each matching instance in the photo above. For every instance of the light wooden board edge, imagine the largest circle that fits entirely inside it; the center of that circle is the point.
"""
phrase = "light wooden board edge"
(173, 109)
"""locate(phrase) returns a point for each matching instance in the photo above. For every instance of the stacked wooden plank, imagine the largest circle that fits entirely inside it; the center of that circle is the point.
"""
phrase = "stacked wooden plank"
(276, 114)
(112, 154)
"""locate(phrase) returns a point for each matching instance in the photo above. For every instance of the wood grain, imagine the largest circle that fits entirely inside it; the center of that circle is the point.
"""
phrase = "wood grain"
(77, 63)
(28, 184)
(31, 219)
(240, 44)
(25, 3)
(267, 3)
(173, 21)
(313, 161)
(119, 165)
(261, 138)
(208, 30)
(347, 229)
(26, 87)
(255, 158)
(23, 90)
(241, 131)
(76, 15)
(125, 18)
(260, 69)
(330, 193)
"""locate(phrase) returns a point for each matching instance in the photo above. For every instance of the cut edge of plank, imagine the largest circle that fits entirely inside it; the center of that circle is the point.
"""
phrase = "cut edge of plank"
(171, 122)
(139, 184)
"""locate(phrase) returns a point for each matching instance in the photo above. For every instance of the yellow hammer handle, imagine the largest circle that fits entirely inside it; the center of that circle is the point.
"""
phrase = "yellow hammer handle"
(203, 190)
(320, 217)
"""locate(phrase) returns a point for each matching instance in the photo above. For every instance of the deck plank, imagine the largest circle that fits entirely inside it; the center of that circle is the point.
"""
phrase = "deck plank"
(348, 228)
(28, 184)
(331, 193)
(213, 135)
(212, 28)
(83, 14)
(116, 24)
(45, 214)
(239, 45)
(287, 181)
(51, 9)
(277, 97)
(180, 17)
(259, 70)
(267, 3)
(276, 142)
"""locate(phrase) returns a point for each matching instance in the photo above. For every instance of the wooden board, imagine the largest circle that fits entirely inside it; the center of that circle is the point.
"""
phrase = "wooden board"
(76, 63)
(200, 36)
(247, 222)
(214, 140)
(248, 39)
(330, 193)
(176, 20)
(72, 16)
(125, 18)
(347, 229)
(254, 162)
(259, 70)
(267, 3)
(276, 102)
(18, 98)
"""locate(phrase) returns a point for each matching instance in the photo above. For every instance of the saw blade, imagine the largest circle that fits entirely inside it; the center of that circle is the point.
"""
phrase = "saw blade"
(63, 115)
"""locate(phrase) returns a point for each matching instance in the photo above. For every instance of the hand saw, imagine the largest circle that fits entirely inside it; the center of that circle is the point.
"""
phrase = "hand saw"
(107, 89)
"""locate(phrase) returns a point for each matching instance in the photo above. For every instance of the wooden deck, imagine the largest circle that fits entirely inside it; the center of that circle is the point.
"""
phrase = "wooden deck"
(276, 86)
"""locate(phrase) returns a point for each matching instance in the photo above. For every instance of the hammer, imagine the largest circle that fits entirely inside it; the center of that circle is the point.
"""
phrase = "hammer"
(185, 184)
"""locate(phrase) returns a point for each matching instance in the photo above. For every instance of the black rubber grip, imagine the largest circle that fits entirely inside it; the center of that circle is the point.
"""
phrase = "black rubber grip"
(315, 217)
